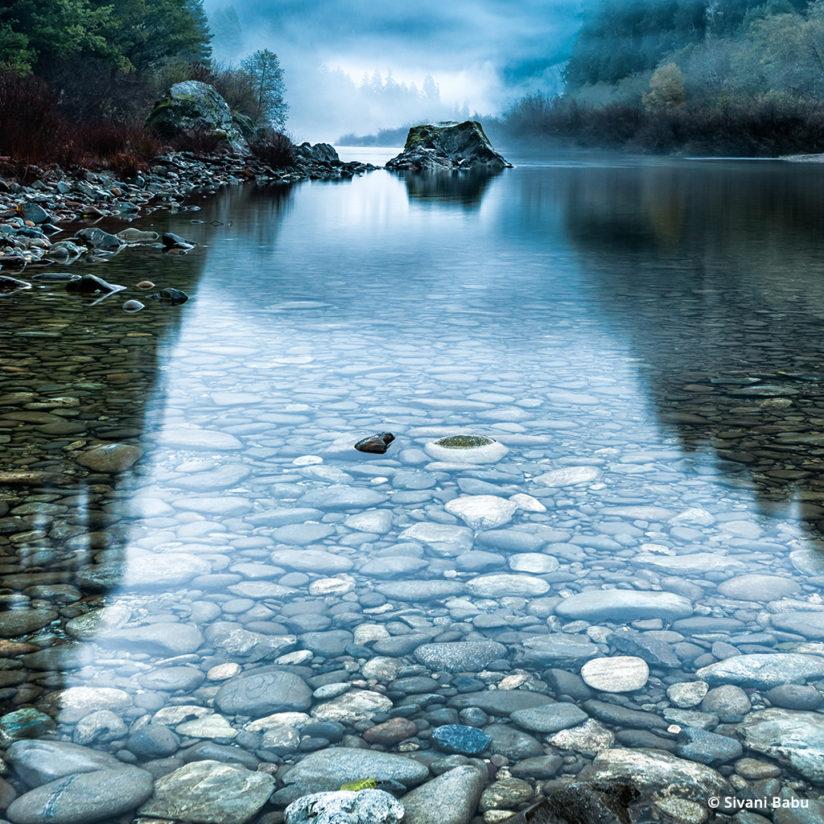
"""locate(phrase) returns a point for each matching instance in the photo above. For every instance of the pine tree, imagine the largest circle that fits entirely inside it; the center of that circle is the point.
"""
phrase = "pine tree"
(264, 70)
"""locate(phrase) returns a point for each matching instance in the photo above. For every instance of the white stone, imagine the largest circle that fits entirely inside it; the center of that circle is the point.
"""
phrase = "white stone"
(489, 453)
(209, 726)
(501, 584)
(568, 476)
(339, 585)
(534, 562)
(687, 694)
(590, 738)
(353, 707)
(482, 511)
(527, 503)
(221, 672)
(377, 521)
(619, 673)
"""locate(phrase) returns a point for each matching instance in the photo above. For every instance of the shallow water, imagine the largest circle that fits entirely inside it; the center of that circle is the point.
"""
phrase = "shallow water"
(653, 326)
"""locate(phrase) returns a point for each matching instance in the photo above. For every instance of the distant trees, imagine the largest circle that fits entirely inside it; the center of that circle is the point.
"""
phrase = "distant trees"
(265, 74)
(666, 88)
(743, 76)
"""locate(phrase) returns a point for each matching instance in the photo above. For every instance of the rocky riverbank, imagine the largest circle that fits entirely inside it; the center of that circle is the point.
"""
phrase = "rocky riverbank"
(41, 214)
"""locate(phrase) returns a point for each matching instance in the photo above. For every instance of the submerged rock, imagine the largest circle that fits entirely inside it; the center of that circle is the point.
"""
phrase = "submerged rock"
(102, 795)
(174, 297)
(210, 792)
(345, 807)
(195, 109)
(447, 147)
(9, 285)
(98, 239)
(91, 285)
(451, 798)
(375, 444)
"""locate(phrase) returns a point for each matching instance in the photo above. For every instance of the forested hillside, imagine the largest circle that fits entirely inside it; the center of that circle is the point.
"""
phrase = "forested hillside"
(724, 76)
(79, 77)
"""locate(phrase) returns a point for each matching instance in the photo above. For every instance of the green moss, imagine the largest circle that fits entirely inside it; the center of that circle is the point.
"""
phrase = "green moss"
(464, 441)
(363, 784)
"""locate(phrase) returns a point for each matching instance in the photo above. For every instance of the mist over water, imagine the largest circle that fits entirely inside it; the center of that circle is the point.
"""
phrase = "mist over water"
(420, 62)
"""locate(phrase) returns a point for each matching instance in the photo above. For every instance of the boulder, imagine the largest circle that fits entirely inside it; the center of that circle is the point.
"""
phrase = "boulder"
(319, 153)
(195, 109)
(433, 147)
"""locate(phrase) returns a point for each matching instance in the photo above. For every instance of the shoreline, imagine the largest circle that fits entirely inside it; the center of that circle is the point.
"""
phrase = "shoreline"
(38, 215)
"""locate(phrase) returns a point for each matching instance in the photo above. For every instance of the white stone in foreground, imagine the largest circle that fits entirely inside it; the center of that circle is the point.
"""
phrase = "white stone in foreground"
(620, 673)
(482, 511)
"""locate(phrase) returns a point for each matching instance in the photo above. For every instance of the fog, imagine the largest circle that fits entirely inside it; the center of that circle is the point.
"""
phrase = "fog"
(360, 66)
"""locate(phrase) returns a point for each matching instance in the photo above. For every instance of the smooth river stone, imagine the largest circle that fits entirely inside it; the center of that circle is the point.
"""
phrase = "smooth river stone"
(263, 692)
(110, 458)
(339, 497)
(619, 605)
(691, 563)
(534, 562)
(103, 795)
(654, 772)
(163, 638)
(501, 584)
(190, 437)
(482, 511)
(353, 707)
(807, 623)
(424, 590)
(214, 480)
(311, 560)
(764, 670)
(483, 454)
(460, 656)
(451, 798)
(445, 539)
(549, 718)
(568, 476)
(559, 649)
(38, 762)
(327, 769)
(143, 571)
(16, 622)
(620, 673)
(209, 792)
(759, 588)
(302, 534)
(794, 738)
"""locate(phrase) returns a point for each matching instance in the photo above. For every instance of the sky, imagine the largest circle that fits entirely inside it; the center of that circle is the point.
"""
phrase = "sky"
(481, 55)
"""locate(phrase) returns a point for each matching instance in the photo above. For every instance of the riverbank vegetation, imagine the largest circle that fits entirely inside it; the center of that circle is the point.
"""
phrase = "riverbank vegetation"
(710, 76)
(79, 77)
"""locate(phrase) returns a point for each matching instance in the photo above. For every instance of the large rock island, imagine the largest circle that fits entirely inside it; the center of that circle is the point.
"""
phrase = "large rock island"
(435, 147)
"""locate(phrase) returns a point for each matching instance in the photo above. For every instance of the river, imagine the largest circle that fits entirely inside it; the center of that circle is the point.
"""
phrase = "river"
(642, 336)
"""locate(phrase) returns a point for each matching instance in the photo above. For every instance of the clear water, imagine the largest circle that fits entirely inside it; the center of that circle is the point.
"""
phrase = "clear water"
(657, 321)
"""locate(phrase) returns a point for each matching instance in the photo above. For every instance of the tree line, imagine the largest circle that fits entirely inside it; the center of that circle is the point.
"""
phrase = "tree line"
(716, 76)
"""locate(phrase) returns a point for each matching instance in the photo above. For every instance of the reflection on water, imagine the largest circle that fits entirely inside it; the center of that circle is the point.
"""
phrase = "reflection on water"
(645, 339)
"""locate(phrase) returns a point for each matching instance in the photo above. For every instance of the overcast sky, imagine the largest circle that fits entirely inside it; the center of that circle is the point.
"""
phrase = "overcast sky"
(481, 53)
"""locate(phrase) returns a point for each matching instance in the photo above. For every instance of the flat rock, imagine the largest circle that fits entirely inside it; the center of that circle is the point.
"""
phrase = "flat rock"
(621, 605)
(353, 707)
(460, 739)
(16, 622)
(263, 692)
(102, 795)
(549, 718)
(191, 437)
(451, 798)
(482, 511)
(460, 656)
(764, 670)
(500, 702)
(502, 584)
(162, 638)
(568, 476)
(39, 762)
(424, 590)
(445, 539)
(209, 792)
(808, 624)
(791, 737)
(656, 773)
(110, 458)
(559, 649)
(311, 560)
(331, 767)
(758, 588)
(143, 571)
(339, 497)
(620, 673)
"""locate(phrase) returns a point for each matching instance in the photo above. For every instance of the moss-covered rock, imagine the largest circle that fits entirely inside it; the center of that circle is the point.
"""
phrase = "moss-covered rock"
(448, 147)
(196, 110)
